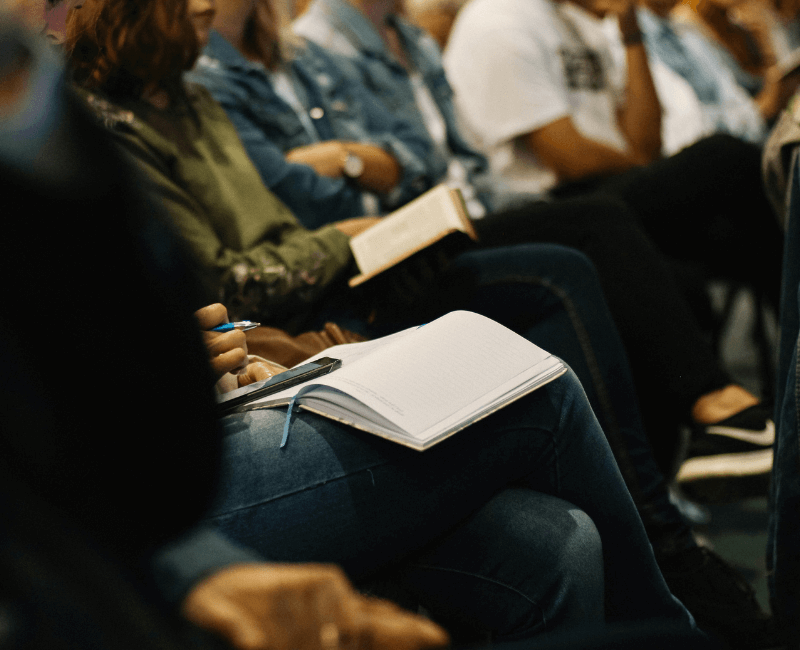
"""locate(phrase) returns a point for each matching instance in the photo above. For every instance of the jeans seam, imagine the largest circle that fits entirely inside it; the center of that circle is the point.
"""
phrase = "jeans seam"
(485, 579)
(619, 448)
(292, 493)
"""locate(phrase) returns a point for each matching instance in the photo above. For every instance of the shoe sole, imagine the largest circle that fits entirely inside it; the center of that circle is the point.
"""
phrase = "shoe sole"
(726, 465)
(763, 438)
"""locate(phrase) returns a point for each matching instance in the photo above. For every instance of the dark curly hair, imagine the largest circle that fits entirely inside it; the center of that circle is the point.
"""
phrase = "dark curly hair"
(124, 47)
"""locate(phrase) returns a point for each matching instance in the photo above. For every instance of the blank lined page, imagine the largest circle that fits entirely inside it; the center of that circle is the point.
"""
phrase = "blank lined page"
(441, 368)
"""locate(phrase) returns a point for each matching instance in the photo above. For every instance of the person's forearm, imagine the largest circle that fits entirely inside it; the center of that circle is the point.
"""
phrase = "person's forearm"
(768, 102)
(381, 171)
(596, 159)
(776, 92)
(640, 119)
(572, 156)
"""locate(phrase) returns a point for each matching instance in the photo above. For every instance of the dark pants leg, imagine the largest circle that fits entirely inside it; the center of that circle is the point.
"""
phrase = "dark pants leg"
(550, 295)
(466, 510)
(706, 203)
(672, 363)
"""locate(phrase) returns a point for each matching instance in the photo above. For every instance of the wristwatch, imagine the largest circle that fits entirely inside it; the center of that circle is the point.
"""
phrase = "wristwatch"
(353, 166)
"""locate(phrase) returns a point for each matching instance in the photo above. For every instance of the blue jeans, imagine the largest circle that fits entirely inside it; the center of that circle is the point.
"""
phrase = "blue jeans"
(508, 527)
(551, 295)
(783, 546)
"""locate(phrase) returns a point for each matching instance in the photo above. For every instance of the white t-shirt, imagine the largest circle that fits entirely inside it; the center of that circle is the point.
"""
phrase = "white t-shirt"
(518, 65)
(684, 118)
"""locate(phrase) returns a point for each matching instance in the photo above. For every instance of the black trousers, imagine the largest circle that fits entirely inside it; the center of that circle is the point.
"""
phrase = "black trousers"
(705, 205)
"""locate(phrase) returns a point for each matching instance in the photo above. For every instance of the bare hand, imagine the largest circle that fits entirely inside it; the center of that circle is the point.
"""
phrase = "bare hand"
(353, 227)
(258, 370)
(227, 351)
(326, 158)
(302, 607)
(776, 91)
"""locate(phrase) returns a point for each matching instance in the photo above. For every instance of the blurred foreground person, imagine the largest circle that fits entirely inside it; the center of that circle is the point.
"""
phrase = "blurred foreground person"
(92, 489)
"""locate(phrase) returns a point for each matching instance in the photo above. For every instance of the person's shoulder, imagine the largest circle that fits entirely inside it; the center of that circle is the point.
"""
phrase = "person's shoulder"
(203, 104)
(422, 41)
(503, 15)
(109, 114)
(317, 26)
(225, 83)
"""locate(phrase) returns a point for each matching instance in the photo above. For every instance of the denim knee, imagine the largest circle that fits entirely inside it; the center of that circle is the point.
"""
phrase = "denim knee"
(525, 564)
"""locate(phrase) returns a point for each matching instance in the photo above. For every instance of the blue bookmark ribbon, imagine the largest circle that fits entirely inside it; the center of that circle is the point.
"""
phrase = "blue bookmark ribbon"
(288, 422)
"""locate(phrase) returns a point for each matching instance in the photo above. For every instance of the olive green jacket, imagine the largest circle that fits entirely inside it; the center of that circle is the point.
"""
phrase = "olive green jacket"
(260, 261)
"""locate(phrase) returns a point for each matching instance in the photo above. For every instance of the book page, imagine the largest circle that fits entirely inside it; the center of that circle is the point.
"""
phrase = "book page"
(347, 353)
(441, 368)
(406, 229)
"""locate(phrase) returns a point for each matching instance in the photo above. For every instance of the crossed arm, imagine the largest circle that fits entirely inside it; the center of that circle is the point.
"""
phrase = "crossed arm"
(570, 154)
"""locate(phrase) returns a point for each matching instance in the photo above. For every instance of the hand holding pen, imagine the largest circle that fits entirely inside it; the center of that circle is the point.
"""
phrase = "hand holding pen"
(241, 325)
(227, 349)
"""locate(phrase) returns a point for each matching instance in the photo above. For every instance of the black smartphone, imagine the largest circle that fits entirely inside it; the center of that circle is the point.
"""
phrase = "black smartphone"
(229, 401)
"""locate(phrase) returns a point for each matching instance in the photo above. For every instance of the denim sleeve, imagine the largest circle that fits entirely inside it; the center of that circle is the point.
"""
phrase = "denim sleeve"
(358, 114)
(409, 147)
(178, 566)
(314, 199)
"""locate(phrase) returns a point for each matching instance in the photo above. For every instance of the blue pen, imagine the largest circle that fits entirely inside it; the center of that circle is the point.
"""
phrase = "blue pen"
(242, 325)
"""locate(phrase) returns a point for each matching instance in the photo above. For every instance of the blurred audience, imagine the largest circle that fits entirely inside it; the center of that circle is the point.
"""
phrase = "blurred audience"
(751, 36)
(569, 125)
(241, 81)
(724, 105)
(727, 105)
(216, 584)
(346, 158)
(160, 120)
(644, 299)
(403, 68)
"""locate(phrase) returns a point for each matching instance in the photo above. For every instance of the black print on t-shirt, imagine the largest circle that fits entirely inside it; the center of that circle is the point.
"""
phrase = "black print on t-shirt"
(583, 69)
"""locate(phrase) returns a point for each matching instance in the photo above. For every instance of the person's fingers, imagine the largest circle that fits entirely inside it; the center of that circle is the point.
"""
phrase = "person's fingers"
(228, 620)
(388, 627)
(257, 371)
(211, 316)
(220, 343)
(230, 361)
(302, 607)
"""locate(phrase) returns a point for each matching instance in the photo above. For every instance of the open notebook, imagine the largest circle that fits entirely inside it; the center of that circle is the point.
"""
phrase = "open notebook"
(422, 385)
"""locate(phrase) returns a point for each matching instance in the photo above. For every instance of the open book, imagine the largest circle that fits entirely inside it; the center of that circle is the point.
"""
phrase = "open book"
(417, 225)
(422, 385)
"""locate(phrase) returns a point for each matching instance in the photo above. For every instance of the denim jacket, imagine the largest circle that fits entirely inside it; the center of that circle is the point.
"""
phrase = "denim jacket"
(727, 106)
(342, 29)
(340, 110)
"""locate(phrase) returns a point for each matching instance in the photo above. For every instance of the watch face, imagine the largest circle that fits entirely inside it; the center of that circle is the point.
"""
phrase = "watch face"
(353, 166)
